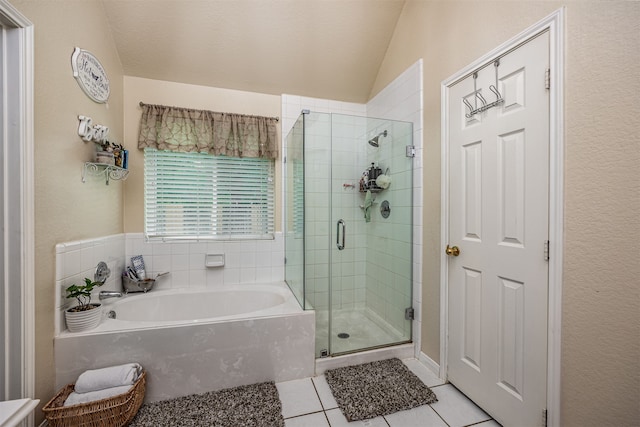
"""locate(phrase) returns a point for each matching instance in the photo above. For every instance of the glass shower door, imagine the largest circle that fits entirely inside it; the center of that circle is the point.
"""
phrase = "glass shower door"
(371, 229)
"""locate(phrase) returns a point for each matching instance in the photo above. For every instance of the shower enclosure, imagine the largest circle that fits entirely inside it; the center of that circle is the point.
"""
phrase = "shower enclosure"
(348, 228)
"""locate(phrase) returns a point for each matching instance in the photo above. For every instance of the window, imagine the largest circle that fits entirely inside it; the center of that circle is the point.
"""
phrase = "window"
(201, 196)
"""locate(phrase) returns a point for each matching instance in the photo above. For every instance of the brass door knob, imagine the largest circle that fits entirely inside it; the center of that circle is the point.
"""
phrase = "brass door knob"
(452, 251)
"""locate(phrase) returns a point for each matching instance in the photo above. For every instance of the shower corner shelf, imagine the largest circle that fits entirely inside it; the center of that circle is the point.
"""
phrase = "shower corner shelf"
(109, 171)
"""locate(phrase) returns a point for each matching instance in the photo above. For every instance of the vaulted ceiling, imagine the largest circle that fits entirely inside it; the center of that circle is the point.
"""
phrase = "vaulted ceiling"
(319, 48)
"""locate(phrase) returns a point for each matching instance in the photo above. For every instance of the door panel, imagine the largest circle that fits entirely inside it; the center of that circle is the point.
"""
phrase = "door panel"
(498, 216)
(472, 191)
(472, 316)
(511, 329)
(511, 188)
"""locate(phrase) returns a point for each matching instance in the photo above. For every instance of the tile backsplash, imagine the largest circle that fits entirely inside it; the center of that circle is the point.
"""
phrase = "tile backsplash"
(246, 261)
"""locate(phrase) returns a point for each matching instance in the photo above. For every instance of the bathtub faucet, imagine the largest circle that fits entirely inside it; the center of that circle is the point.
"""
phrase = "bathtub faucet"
(109, 294)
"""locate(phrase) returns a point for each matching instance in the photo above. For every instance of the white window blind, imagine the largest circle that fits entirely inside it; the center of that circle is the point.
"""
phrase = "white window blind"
(201, 196)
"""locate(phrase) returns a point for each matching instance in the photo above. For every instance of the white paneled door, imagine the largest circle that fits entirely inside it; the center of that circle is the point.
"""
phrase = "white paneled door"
(498, 231)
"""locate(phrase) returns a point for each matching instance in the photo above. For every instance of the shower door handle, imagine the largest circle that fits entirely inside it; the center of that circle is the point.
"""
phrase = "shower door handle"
(338, 244)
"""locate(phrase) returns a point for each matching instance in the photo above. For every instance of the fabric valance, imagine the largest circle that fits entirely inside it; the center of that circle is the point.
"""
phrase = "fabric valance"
(189, 130)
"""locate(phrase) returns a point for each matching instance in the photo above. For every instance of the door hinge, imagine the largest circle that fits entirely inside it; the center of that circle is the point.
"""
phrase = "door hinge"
(546, 250)
(411, 151)
(409, 313)
(544, 418)
(547, 78)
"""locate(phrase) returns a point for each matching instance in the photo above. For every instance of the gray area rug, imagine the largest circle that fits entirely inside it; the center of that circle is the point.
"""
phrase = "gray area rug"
(252, 405)
(377, 388)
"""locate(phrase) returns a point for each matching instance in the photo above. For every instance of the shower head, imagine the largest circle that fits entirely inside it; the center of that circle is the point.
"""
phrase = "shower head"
(374, 141)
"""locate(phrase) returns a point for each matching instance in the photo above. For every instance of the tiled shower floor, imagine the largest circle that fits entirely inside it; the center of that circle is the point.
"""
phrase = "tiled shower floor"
(309, 403)
(363, 331)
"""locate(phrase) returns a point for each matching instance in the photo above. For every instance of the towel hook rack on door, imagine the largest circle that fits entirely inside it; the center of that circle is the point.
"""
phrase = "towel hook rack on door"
(485, 106)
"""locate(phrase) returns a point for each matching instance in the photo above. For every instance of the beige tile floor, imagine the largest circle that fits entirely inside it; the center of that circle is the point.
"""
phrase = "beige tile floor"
(308, 402)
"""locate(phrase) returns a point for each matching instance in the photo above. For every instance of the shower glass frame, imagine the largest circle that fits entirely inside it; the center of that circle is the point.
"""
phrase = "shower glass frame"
(294, 211)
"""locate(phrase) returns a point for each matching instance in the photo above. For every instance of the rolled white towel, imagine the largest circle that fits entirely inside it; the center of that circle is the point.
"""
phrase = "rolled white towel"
(114, 376)
(77, 398)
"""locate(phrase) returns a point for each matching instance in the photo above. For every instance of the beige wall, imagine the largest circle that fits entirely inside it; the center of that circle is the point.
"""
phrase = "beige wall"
(67, 209)
(600, 307)
(600, 333)
(188, 96)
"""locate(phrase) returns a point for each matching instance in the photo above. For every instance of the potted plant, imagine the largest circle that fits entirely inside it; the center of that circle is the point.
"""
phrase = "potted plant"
(85, 315)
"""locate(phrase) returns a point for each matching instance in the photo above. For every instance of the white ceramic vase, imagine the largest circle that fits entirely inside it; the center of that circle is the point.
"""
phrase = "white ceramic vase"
(78, 321)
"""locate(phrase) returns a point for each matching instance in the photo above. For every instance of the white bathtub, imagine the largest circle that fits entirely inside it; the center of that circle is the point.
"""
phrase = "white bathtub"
(193, 341)
(202, 305)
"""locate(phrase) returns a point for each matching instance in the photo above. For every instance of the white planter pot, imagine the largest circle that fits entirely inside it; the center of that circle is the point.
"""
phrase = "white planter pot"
(78, 321)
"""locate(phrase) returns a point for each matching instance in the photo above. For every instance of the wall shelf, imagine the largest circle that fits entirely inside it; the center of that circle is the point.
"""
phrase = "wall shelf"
(109, 171)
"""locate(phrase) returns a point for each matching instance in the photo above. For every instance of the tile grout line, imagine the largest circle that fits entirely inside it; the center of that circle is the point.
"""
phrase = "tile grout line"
(483, 421)
(480, 422)
(324, 410)
(434, 409)
(303, 415)
(440, 416)
(443, 420)
(313, 383)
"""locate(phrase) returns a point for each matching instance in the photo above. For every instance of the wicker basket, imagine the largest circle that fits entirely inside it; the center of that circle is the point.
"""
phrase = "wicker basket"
(114, 411)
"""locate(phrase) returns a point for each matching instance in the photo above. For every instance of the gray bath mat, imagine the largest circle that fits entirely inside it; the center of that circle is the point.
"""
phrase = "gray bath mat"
(256, 405)
(377, 388)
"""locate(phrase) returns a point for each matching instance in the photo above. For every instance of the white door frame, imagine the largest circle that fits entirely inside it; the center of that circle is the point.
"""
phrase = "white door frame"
(21, 50)
(553, 23)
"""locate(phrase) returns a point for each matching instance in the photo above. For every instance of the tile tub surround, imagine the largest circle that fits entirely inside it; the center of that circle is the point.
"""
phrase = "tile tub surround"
(246, 261)
(197, 357)
(77, 260)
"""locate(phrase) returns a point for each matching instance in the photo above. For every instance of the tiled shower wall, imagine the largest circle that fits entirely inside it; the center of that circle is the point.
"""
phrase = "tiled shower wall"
(402, 100)
(246, 261)
(388, 240)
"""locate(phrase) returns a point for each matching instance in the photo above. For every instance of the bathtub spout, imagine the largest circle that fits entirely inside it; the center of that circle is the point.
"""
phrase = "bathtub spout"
(109, 294)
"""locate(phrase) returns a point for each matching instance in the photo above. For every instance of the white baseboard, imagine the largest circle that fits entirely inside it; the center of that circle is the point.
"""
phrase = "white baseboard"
(430, 364)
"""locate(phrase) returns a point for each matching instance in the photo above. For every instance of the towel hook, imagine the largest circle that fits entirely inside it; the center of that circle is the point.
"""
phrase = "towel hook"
(475, 89)
(484, 101)
(477, 93)
(494, 88)
(468, 104)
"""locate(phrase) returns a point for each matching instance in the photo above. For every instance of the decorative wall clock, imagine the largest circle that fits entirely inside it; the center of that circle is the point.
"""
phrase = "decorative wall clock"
(90, 75)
